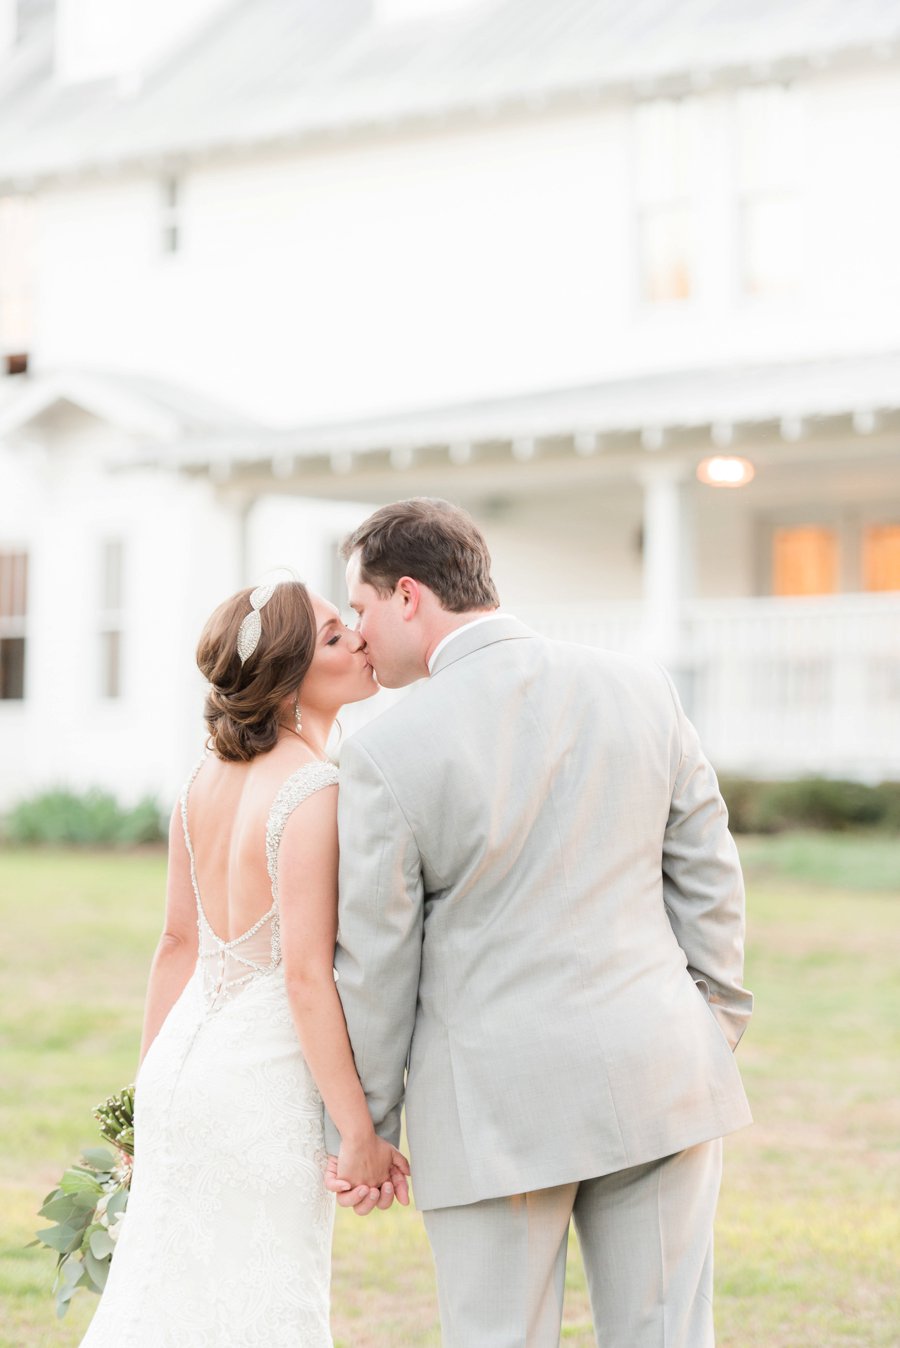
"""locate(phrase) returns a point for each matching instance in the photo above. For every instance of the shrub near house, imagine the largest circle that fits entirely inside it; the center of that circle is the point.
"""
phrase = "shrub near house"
(96, 819)
(92, 819)
(809, 802)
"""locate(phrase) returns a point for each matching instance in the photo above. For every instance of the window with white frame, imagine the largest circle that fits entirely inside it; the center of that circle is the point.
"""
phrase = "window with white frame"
(665, 148)
(170, 215)
(881, 556)
(111, 606)
(13, 620)
(770, 225)
(17, 232)
(805, 560)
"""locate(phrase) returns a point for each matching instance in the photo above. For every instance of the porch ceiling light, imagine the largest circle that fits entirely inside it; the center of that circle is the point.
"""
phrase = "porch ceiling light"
(726, 470)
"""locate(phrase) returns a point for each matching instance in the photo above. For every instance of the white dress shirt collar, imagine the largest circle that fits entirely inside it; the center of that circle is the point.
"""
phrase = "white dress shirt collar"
(485, 618)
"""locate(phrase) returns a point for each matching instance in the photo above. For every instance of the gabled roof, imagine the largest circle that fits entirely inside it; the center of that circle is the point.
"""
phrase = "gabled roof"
(267, 71)
(146, 409)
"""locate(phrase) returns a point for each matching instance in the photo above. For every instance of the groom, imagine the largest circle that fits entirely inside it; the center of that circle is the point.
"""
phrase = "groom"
(540, 951)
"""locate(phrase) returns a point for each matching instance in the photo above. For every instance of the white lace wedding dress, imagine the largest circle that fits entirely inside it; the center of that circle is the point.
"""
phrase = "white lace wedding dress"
(226, 1242)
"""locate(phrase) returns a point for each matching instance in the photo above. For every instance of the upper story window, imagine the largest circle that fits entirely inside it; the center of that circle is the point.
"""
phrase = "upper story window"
(13, 618)
(17, 228)
(769, 202)
(111, 606)
(666, 138)
(170, 222)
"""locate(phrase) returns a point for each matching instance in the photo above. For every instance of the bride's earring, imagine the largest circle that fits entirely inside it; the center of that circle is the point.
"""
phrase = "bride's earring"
(298, 720)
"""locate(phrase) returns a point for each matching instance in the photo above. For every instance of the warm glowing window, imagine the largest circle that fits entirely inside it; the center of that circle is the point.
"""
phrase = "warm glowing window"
(666, 163)
(804, 560)
(881, 557)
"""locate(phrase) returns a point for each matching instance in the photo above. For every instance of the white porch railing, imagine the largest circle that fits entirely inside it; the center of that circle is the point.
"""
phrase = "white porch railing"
(775, 686)
(614, 627)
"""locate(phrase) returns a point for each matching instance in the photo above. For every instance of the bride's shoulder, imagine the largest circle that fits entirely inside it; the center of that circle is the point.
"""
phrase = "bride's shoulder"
(286, 758)
(313, 826)
(296, 773)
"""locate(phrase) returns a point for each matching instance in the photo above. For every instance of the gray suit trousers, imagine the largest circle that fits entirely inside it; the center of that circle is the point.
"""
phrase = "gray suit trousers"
(646, 1236)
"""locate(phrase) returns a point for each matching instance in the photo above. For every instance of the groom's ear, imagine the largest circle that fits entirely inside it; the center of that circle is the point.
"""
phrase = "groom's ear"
(410, 596)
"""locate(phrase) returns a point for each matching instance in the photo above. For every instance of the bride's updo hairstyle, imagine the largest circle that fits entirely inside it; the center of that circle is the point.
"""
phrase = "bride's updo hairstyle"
(243, 706)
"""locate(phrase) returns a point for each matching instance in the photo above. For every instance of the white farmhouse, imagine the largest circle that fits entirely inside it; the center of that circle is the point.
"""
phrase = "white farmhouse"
(263, 262)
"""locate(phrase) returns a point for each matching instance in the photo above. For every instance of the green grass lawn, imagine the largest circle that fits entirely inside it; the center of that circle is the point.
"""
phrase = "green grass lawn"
(808, 1235)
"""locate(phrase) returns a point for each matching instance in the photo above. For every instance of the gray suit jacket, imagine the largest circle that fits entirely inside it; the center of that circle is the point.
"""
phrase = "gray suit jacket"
(541, 920)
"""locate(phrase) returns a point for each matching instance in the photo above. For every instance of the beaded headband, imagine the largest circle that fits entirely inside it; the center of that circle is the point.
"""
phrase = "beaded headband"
(250, 629)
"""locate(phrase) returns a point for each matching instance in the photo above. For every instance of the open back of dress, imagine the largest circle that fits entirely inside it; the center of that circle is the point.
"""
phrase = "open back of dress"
(229, 965)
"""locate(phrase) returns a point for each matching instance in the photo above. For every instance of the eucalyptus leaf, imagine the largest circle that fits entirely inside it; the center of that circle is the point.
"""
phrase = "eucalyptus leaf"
(64, 1296)
(117, 1203)
(101, 1158)
(85, 1201)
(62, 1237)
(59, 1209)
(98, 1270)
(101, 1244)
(76, 1181)
(72, 1271)
(88, 1233)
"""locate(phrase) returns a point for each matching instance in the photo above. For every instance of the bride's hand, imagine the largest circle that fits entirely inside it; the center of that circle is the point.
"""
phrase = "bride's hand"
(363, 1199)
(367, 1161)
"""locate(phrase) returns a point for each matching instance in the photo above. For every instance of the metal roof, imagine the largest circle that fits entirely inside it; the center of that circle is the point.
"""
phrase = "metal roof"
(790, 395)
(817, 409)
(266, 71)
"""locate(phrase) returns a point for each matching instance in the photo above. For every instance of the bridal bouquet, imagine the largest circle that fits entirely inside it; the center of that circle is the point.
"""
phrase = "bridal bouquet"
(88, 1204)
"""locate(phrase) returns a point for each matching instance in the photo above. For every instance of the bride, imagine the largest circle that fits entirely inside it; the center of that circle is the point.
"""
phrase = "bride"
(227, 1239)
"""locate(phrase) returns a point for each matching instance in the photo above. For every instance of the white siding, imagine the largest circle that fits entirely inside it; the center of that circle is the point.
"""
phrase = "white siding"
(454, 265)
(180, 559)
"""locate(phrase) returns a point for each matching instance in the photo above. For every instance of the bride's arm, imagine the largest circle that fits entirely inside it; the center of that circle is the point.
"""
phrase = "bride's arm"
(176, 952)
(307, 887)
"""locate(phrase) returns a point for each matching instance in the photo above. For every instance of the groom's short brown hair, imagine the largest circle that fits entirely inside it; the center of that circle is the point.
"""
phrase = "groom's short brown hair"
(433, 542)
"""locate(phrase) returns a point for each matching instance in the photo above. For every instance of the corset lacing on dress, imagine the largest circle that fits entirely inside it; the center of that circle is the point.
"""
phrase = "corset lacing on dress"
(228, 966)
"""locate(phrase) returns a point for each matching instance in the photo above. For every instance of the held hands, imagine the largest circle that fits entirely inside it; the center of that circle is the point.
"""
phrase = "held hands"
(380, 1175)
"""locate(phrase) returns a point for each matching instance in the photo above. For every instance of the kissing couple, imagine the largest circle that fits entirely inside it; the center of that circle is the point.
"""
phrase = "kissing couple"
(516, 911)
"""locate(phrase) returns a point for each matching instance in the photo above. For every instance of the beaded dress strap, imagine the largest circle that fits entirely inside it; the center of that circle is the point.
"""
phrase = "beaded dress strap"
(187, 836)
(302, 784)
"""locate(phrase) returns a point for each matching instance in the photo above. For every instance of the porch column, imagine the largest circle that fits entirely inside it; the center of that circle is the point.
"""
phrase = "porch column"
(668, 560)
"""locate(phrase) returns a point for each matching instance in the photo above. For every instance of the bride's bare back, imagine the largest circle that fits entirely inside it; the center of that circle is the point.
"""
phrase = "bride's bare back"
(228, 809)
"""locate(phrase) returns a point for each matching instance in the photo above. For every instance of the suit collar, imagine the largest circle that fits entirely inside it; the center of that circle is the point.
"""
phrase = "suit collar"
(471, 639)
